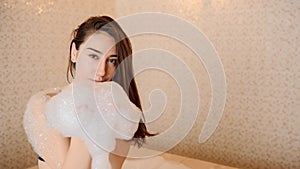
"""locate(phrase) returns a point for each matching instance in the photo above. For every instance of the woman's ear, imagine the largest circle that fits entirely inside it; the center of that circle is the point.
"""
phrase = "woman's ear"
(74, 52)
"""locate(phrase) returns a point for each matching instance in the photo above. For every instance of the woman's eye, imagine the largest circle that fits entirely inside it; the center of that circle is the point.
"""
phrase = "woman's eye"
(113, 61)
(94, 56)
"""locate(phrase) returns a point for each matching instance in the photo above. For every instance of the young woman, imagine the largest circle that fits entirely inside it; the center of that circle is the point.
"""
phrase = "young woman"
(100, 56)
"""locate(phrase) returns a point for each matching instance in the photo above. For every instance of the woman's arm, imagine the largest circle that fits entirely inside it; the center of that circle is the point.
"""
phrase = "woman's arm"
(118, 156)
(78, 156)
(57, 147)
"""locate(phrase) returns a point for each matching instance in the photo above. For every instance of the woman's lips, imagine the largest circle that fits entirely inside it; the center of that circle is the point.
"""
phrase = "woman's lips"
(100, 80)
(97, 81)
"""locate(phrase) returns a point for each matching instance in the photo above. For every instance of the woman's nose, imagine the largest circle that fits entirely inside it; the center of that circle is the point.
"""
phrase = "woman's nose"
(101, 68)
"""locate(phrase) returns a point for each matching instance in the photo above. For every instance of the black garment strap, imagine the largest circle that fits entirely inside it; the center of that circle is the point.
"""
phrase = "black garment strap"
(40, 158)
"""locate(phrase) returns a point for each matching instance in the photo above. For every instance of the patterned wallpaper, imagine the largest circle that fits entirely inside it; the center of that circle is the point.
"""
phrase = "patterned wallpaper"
(257, 41)
(35, 36)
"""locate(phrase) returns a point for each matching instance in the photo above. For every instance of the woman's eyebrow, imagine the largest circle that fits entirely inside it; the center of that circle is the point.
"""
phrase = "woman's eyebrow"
(112, 56)
(95, 50)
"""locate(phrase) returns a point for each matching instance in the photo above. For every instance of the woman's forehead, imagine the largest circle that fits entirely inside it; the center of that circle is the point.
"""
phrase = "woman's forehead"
(100, 40)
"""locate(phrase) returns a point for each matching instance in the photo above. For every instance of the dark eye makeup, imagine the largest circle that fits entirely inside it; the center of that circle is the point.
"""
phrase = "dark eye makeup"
(93, 56)
(112, 60)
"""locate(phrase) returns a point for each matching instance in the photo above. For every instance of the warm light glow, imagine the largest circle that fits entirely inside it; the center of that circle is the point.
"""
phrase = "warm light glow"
(40, 6)
(217, 4)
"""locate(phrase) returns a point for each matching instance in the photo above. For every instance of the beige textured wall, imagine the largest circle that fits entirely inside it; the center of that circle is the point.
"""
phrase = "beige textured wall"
(258, 43)
(35, 35)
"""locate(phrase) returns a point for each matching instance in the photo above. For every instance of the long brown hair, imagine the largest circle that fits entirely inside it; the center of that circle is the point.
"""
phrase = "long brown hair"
(124, 73)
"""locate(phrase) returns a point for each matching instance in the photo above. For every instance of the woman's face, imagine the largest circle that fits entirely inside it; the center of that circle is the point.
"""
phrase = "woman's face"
(96, 58)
